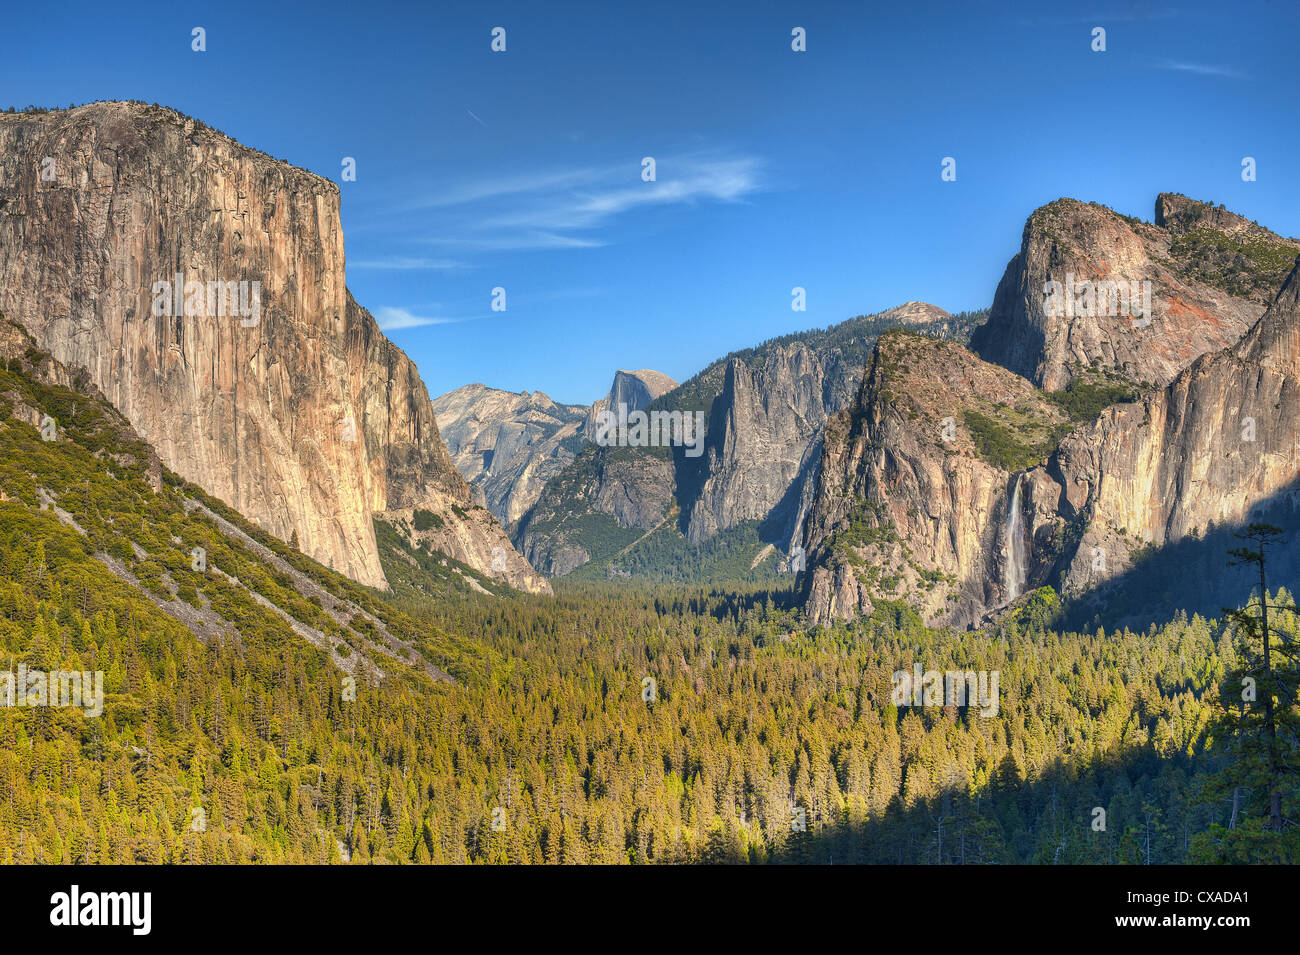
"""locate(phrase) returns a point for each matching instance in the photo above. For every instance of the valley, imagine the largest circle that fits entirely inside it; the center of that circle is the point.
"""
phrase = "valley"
(344, 622)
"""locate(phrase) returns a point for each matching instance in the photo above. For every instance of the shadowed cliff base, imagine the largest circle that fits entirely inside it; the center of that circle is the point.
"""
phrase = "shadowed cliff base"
(1192, 573)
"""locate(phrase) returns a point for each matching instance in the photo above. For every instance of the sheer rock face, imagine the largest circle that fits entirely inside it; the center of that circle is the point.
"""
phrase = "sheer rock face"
(295, 411)
(906, 507)
(761, 427)
(411, 469)
(636, 389)
(765, 431)
(1218, 440)
(406, 455)
(1211, 275)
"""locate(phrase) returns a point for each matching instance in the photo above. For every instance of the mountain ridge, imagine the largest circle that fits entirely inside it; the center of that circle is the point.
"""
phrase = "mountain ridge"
(764, 408)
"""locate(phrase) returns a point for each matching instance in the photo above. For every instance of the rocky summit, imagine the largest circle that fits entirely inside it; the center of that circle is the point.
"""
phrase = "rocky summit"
(1207, 273)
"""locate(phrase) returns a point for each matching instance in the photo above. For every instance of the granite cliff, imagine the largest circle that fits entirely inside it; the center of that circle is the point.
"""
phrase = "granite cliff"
(1210, 275)
(201, 286)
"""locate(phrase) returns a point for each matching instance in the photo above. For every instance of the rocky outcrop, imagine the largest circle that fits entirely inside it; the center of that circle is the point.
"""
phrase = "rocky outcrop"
(761, 426)
(201, 286)
(1209, 274)
(406, 456)
(916, 483)
(635, 389)
(411, 469)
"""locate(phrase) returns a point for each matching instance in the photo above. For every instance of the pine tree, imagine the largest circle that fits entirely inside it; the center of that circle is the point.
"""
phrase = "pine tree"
(1258, 723)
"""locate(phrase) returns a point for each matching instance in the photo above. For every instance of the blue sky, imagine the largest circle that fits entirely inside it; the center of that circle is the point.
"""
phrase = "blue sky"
(775, 169)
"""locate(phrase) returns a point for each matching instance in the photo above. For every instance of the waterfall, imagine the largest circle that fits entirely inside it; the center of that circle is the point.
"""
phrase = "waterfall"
(1013, 570)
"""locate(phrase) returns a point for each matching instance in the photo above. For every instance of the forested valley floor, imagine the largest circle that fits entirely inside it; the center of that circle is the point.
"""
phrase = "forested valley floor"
(443, 722)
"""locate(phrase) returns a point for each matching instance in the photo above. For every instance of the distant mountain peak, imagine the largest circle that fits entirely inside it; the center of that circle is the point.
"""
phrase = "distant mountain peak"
(640, 387)
(915, 313)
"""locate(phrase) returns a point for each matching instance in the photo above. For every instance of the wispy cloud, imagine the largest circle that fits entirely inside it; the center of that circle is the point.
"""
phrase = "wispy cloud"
(408, 264)
(719, 181)
(390, 318)
(517, 240)
(465, 193)
(1202, 69)
(577, 208)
